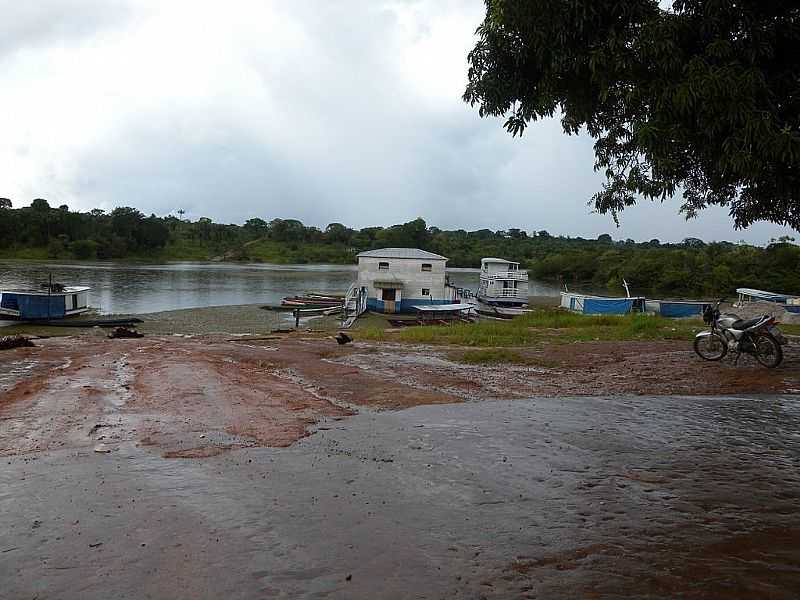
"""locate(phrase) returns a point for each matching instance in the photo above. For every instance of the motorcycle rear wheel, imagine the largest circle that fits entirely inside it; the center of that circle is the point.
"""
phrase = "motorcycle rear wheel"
(768, 351)
(710, 347)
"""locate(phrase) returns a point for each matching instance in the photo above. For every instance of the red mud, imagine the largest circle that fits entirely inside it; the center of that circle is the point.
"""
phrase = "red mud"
(196, 397)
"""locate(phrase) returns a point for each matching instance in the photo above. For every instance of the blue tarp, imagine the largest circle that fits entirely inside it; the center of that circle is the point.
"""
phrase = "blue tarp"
(607, 306)
(40, 307)
(792, 308)
(681, 309)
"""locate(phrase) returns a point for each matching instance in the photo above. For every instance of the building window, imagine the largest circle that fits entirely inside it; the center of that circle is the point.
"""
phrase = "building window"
(426, 292)
(427, 266)
(383, 266)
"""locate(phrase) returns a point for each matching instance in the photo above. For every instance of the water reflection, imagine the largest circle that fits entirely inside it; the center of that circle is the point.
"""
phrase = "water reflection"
(140, 288)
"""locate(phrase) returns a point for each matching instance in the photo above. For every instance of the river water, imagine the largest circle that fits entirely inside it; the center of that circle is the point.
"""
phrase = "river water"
(126, 288)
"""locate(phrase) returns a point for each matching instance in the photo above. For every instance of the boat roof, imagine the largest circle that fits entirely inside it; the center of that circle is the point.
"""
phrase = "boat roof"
(771, 296)
(578, 294)
(413, 253)
(499, 260)
(76, 289)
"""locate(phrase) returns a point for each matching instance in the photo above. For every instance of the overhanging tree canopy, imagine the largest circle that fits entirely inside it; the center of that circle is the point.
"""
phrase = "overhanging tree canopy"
(702, 97)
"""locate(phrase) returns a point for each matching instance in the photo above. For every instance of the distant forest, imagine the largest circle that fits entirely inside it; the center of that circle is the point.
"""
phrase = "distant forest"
(691, 267)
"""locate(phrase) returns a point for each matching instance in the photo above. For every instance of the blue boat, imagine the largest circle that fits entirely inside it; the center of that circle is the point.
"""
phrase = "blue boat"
(601, 305)
(677, 309)
(52, 302)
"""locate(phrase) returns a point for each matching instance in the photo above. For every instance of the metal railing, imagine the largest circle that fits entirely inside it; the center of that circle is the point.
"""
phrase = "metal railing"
(504, 293)
(514, 275)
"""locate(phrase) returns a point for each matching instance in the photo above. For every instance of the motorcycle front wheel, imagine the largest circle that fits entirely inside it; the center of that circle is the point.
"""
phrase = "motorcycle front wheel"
(768, 351)
(710, 347)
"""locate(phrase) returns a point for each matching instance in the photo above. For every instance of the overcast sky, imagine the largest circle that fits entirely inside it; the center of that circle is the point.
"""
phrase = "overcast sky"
(319, 111)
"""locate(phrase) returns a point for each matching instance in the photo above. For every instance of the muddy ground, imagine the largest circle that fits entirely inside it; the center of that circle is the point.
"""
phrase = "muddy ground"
(182, 467)
(197, 396)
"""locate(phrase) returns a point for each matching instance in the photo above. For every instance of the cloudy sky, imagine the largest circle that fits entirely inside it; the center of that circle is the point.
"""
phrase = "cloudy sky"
(344, 111)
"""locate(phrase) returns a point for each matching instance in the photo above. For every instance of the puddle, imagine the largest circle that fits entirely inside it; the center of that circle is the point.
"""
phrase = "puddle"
(11, 373)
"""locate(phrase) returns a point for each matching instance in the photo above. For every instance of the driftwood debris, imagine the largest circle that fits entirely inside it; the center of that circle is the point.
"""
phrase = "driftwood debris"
(125, 332)
(15, 341)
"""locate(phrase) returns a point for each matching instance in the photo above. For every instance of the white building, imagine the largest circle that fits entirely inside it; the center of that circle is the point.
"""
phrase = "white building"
(394, 279)
(502, 283)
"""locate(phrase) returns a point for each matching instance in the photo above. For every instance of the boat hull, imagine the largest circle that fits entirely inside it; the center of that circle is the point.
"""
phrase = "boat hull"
(500, 311)
(15, 316)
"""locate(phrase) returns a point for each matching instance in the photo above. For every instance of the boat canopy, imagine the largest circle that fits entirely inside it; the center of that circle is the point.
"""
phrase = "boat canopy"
(749, 293)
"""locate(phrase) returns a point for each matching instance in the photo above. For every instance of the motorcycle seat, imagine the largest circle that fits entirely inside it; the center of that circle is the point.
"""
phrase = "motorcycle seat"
(741, 325)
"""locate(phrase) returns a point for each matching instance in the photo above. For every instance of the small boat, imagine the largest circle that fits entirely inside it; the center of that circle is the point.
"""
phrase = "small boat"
(312, 301)
(53, 301)
(498, 312)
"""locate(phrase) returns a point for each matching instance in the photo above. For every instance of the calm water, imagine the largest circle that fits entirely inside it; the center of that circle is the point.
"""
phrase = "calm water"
(125, 288)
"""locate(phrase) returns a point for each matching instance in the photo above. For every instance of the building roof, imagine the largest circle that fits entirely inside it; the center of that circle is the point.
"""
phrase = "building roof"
(43, 292)
(499, 260)
(414, 253)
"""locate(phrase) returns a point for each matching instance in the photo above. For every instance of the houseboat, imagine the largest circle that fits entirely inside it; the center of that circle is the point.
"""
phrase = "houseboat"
(502, 289)
(502, 283)
(398, 280)
(51, 302)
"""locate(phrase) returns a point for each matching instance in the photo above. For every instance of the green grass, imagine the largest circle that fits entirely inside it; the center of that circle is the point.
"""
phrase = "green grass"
(790, 329)
(544, 325)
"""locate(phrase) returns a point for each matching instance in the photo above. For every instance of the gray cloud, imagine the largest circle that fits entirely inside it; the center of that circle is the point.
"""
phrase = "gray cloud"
(324, 112)
(30, 24)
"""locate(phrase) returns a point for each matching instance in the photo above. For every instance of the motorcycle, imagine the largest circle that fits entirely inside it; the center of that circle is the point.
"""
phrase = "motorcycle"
(759, 337)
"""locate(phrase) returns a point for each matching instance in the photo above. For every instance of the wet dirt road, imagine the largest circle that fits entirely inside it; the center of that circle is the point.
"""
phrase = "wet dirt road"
(635, 497)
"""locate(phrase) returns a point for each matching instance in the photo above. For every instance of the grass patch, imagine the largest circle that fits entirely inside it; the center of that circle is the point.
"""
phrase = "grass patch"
(544, 325)
(790, 329)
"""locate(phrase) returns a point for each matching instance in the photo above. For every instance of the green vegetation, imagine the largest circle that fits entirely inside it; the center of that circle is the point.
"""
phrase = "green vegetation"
(689, 268)
(790, 329)
(692, 95)
(550, 325)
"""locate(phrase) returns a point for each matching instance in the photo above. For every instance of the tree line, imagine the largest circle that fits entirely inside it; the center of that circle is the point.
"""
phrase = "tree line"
(692, 267)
